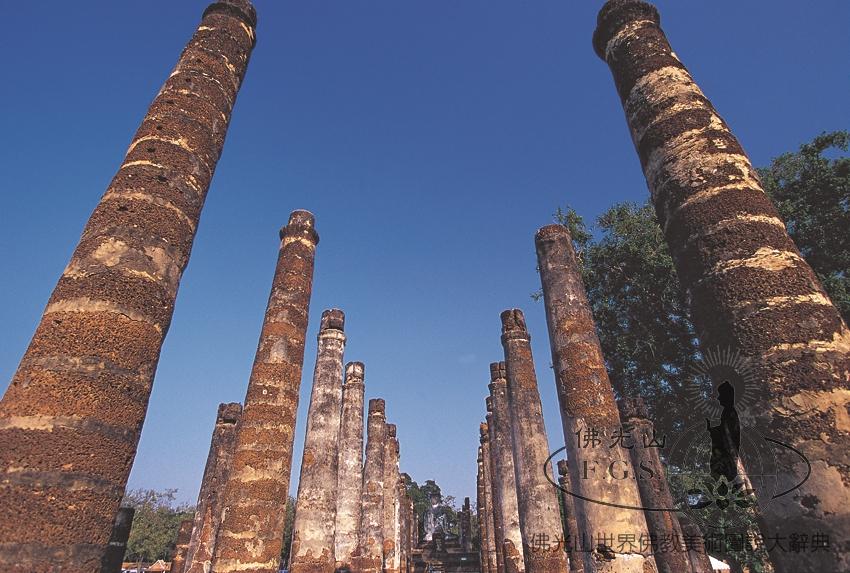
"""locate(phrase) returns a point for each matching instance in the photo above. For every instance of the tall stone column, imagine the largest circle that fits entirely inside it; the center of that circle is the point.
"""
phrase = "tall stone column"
(371, 535)
(504, 476)
(208, 510)
(466, 527)
(588, 410)
(250, 536)
(498, 525)
(539, 514)
(483, 519)
(750, 289)
(71, 418)
(181, 548)
(315, 514)
(493, 549)
(391, 473)
(572, 536)
(350, 473)
(654, 490)
(404, 527)
(114, 555)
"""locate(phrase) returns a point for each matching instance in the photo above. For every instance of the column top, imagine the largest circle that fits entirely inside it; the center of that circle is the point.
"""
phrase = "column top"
(392, 429)
(377, 406)
(562, 467)
(229, 412)
(552, 232)
(242, 9)
(513, 325)
(488, 401)
(302, 224)
(617, 13)
(498, 371)
(483, 430)
(332, 318)
(633, 408)
(354, 372)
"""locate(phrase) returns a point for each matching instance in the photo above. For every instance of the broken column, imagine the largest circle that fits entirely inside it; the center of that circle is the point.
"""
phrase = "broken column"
(208, 511)
(315, 512)
(750, 290)
(181, 548)
(466, 527)
(539, 513)
(71, 418)
(504, 477)
(250, 536)
(371, 534)
(483, 519)
(350, 465)
(572, 538)
(588, 411)
(493, 549)
(113, 558)
(391, 473)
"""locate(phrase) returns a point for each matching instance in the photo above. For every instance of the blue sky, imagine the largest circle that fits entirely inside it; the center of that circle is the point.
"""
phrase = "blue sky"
(431, 139)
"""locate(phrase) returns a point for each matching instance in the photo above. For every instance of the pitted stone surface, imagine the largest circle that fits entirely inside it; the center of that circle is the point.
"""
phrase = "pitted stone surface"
(371, 536)
(83, 385)
(571, 532)
(350, 473)
(181, 548)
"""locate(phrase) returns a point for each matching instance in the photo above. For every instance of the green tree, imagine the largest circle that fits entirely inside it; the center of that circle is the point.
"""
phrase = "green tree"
(812, 193)
(155, 524)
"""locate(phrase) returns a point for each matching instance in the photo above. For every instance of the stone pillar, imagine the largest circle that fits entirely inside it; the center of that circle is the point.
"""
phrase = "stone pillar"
(250, 536)
(697, 556)
(414, 534)
(350, 474)
(181, 548)
(371, 535)
(404, 527)
(539, 514)
(572, 537)
(750, 290)
(493, 551)
(483, 529)
(495, 501)
(315, 513)
(71, 418)
(588, 410)
(466, 527)
(504, 476)
(391, 473)
(654, 490)
(114, 555)
(208, 510)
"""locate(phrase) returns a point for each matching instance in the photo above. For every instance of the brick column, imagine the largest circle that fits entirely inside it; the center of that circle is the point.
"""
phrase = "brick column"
(315, 513)
(208, 510)
(493, 550)
(250, 536)
(71, 417)
(587, 406)
(496, 503)
(483, 518)
(466, 527)
(371, 535)
(114, 555)
(750, 289)
(390, 517)
(350, 475)
(504, 482)
(574, 539)
(539, 514)
(181, 548)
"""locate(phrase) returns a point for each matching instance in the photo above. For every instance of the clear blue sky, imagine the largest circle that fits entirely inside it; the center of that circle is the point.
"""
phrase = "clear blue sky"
(431, 139)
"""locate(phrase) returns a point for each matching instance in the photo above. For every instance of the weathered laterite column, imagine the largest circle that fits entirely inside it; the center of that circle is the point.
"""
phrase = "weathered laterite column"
(539, 513)
(654, 490)
(587, 406)
(391, 472)
(466, 527)
(114, 555)
(398, 518)
(350, 472)
(697, 555)
(572, 536)
(404, 527)
(496, 504)
(250, 536)
(315, 513)
(483, 519)
(181, 548)
(493, 549)
(208, 512)
(504, 476)
(371, 534)
(749, 287)
(71, 417)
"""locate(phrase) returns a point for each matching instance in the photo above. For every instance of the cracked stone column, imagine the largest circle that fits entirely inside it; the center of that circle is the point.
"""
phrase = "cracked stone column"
(181, 548)
(571, 532)
(208, 510)
(82, 387)
(493, 551)
(114, 555)
(315, 513)
(750, 289)
(250, 536)
(654, 490)
(539, 513)
(466, 527)
(587, 406)
(391, 476)
(483, 518)
(502, 459)
(350, 464)
(371, 535)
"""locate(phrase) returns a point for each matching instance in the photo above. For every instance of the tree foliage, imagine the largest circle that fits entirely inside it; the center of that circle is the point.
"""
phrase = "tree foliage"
(155, 524)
